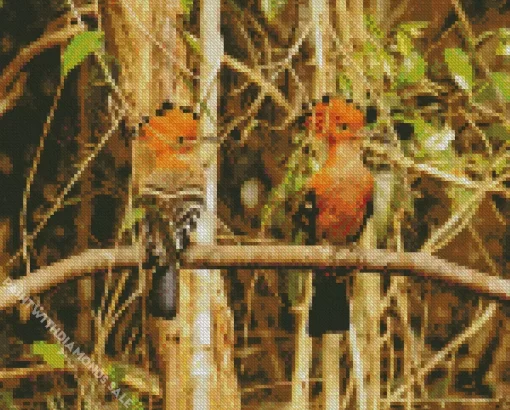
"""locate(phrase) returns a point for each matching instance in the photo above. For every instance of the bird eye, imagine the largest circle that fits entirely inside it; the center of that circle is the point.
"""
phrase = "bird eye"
(342, 127)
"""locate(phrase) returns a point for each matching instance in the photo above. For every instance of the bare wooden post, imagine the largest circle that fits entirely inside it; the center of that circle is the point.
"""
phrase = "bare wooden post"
(85, 285)
(302, 360)
(168, 349)
(331, 370)
(205, 281)
(364, 332)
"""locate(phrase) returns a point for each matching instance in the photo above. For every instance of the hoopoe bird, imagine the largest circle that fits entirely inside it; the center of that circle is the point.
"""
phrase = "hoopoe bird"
(170, 183)
(343, 191)
(343, 186)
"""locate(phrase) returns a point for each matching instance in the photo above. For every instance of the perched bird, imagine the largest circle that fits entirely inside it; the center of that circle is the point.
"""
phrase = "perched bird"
(343, 190)
(343, 186)
(169, 179)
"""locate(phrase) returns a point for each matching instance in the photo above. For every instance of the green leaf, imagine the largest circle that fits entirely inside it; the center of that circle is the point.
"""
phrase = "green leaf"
(132, 217)
(378, 61)
(459, 196)
(423, 131)
(392, 100)
(291, 185)
(192, 42)
(372, 27)
(412, 70)
(344, 85)
(484, 92)
(504, 42)
(51, 353)
(136, 403)
(414, 28)
(502, 83)
(116, 373)
(7, 399)
(80, 47)
(187, 6)
(406, 32)
(498, 132)
(440, 141)
(271, 8)
(295, 285)
(404, 43)
(460, 68)
(440, 388)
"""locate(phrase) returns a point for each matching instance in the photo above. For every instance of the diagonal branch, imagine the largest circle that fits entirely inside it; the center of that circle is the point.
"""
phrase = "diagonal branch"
(258, 78)
(87, 262)
(35, 48)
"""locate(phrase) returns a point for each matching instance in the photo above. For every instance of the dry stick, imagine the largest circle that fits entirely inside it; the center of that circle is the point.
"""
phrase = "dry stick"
(252, 51)
(33, 170)
(233, 63)
(46, 41)
(281, 66)
(437, 43)
(9, 98)
(489, 111)
(421, 264)
(258, 79)
(17, 63)
(87, 262)
(470, 120)
(252, 75)
(246, 324)
(460, 219)
(348, 394)
(253, 108)
(60, 200)
(452, 346)
(408, 164)
(147, 33)
(396, 14)
(485, 253)
(401, 284)
(449, 230)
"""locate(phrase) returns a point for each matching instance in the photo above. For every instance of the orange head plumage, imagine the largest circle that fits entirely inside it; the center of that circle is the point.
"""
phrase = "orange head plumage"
(336, 121)
(170, 136)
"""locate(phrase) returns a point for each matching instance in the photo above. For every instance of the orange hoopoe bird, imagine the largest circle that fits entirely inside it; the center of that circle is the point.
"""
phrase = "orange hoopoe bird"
(343, 190)
(170, 182)
(343, 186)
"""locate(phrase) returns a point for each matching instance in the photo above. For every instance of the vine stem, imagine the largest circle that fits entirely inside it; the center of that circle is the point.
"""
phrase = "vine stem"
(33, 170)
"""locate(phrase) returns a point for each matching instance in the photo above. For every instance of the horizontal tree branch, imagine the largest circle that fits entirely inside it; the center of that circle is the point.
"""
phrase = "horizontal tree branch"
(87, 262)
(309, 257)
(418, 264)
(136, 377)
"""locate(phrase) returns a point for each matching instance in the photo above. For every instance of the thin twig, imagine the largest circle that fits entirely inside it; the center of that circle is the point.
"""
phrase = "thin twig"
(33, 170)
(439, 357)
